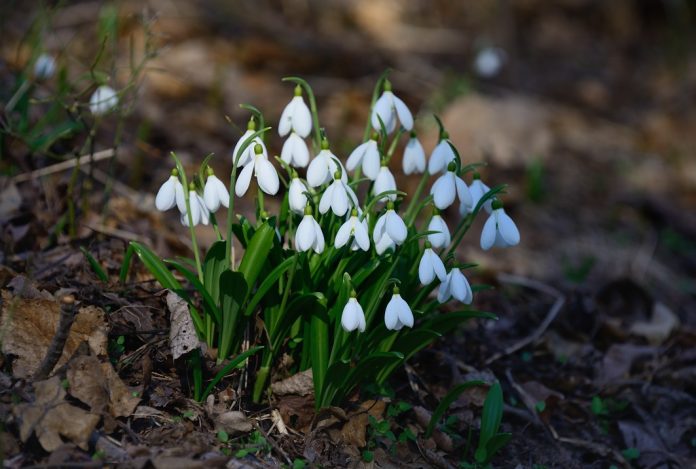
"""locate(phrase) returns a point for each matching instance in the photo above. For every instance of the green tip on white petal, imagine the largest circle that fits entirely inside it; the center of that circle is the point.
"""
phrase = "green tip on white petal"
(298, 90)
(496, 204)
(337, 175)
(210, 171)
(452, 166)
(251, 125)
(436, 211)
(476, 175)
(264, 215)
(353, 294)
(192, 186)
(175, 172)
(387, 85)
(308, 210)
(428, 245)
(413, 134)
(390, 205)
(444, 135)
(324, 144)
(374, 136)
(396, 290)
(258, 149)
(354, 212)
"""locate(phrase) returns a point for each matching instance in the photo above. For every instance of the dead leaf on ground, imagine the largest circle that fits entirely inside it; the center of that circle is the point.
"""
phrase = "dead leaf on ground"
(182, 335)
(10, 201)
(652, 451)
(619, 359)
(354, 430)
(51, 417)
(661, 324)
(234, 423)
(441, 439)
(297, 411)
(300, 384)
(28, 327)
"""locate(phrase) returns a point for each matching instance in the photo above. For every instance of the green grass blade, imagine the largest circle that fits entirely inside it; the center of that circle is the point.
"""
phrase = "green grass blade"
(233, 363)
(96, 267)
(446, 401)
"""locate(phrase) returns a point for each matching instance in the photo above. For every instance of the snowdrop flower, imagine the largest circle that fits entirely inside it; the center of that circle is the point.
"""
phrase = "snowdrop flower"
(368, 154)
(441, 155)
(447, 188)
(390, 230)
(414, 156)
(215, 193)
(296, 116)
(489, 61)
(259, 166)
(103, 100)
(323, 166)
(455, 285)
(353, 316)
(398, 313)
(499, 230)
(170, 193)
(296, 195)
(309, 235)
(431, 266)
(248, 153)
(295, 151)
(388, 107)
(338, 196)
(442, 238)
(384, 182)
(199, 211)
(478, 189)
(356, 228)
(44, 67)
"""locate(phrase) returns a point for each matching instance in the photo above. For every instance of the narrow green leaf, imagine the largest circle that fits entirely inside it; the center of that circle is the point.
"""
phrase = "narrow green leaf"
(96, 267)
(490, 419)
(213, 266)
(125, 265)
(210, 305)
(233, 290)
(227, 368)
(446, 401)
(156, 267)
(319, 324)
(268, 282)
(256, 254)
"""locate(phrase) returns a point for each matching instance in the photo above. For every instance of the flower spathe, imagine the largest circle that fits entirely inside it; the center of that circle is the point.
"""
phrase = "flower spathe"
(398, 313)
(390, 230)
(297, 199)
(103, 100)
(353, 316)
(455, 286)
(296, 116)
(499, 230)
(356, 228)
(441, 238)
(431, 266)
(384, 182)
(447, 188)
(441, 156)
(338, 197)
(324, 166)
(414, 156)
(295, 151)
(309, 234)
(366, 154)
(265, 172)
(389, 107)
(169, 193)
(215, 193)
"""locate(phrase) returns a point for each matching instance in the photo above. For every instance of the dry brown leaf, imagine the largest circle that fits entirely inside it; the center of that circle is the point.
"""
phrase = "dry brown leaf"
(10, 201)
(300, 384)
(182, 335)
(51, 417)
(234, 423)
(618, 360)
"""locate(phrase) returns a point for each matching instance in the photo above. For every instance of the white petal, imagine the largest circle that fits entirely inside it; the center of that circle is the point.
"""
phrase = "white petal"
(243, 158)
(404, 311)
(488, 233)
(426, 273)
(339, 200)
(103, 100)
(166, 195)
(195, 209)
(356, 156)
(440, 239)
(507, 228)
(361, 236)
(343, 234)
(457, 284)
(203, 210)
(371, 161)
(318, 171)
(305, 234)
(443, 293)
(223, 193)
(383, 244)
(379, 229)
(444, 191)
(384, 182)
(395, 226)
(300, 154)
(244, 179)
(215, 193)
(465, 200)
(301, 118)
(285, 124)
(350, 317)
(266, 176)
(327, 196)
(438, 265)
(404, 114)
(296, 197)
(179, 196)
(318, 238)
(414, 157)
(391, 314)
(441, 157)
(383, 108)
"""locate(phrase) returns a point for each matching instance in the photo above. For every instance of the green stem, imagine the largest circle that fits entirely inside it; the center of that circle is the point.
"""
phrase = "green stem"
(192, 229)
(412, 211)
(460, 232)
(214, 222)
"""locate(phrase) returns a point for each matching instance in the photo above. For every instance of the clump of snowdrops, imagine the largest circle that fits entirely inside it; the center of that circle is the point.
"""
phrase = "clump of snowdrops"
(350, 276)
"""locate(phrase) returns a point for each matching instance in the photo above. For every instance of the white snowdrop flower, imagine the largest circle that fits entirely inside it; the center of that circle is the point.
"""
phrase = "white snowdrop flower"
(442, 238)
(478, 189)
(353, 316)
(385, 182)
(388, 107)
(199, 211)
(309, 234)
(338, 197)
(44, 67)
(103, 100)
(414, 156)
(169, 193)
(455, 285)
(296, 116)
(447, 188)
(499, 230)
(248, 153)
(215, 193)
(398, 313)
(295, 151)
(265, 172)
(390, 230)
(489, 61)
(356, 228)
(297, 199)
(442, 155)
(431, 266)
(323, 167)
(366, 154)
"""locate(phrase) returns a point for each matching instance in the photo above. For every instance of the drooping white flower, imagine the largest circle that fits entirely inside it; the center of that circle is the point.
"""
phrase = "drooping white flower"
(248, 154)
(431, 266)
(338, 197)
(489, 61)
(265, 172)
(309, 234)
(295, 151)
(442, 238)
(296, 195)
(441, 156)
(44, 67)
(398, 313)
(199, 211)
(324, 166)
(353, 316)
(478, 189)
(414, 156)
(388, 107)
(215, 193)
(455, 285)
(356, 228)
(385, 182)
(169, 193)
(499, 230)
(368, 154)
(103, 100)
(449, 187)
(390, 230)
(296, 116)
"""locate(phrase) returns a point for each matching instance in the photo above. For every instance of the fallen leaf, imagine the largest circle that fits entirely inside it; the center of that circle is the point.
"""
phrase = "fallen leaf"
(297, 411)
(10, 201)
(618, 360)
(51, 417)
(652, 451)
(661, 324)
(300, 384)
(182, 335)
(234, 423)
